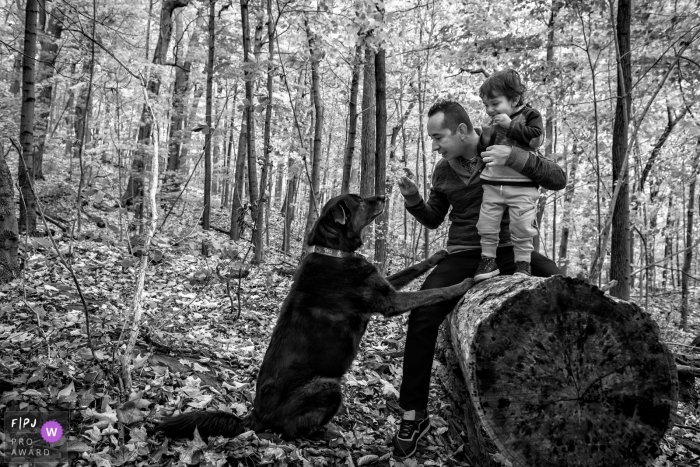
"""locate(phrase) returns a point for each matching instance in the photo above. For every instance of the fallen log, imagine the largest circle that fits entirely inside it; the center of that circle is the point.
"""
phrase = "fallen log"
(559, 374)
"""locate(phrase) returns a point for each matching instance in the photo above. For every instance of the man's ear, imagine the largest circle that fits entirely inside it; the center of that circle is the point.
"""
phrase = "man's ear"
(466, 128)
(338, 213)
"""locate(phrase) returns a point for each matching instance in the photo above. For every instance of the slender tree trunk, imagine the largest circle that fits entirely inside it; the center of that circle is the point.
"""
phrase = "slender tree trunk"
(380, 182)
(187, 133)
(208, 140)
(368, 143)
(181, 88)
(549, 124)
(289, 203)
(47, 61)
(619, 252)
(670, 125)
(420, 156)
(668, 244)
(9, 236)
(568, 211)
(229, 149)
(237, 213)
(25, 176)
(352, 121)
(688, 260)
(259, 251)
(279, 183)
(316, 151)
(250, 120)
(134, 191)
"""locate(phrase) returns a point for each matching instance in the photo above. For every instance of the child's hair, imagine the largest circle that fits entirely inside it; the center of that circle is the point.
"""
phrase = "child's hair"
(503, 83)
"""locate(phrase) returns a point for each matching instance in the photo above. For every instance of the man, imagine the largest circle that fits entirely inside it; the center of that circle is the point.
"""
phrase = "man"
(454, 138)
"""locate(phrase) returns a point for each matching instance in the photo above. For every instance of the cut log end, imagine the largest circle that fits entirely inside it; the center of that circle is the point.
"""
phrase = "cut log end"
(563, 375)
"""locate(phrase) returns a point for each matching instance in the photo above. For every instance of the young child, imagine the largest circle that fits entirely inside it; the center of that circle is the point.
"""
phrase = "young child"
(513, 124)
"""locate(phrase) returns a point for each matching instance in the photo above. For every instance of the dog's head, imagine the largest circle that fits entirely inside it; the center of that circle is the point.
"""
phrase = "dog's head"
(342, 219)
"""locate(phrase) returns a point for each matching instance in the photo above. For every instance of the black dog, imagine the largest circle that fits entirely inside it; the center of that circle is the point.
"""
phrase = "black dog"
(318, 332)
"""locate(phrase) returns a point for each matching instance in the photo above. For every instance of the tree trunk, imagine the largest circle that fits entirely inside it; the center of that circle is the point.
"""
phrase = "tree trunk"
(187, 136)
(25, 174)
(380, 181)
(9, 237)
(229, 149)
(670, 125)
(134, 190)
(619, 247)
(688, 257)
(568, 211)
(668, 244)
(560, 374)
(549, 124)
(290, 200)
(237, 213)
(368, 139)
(181, 88)
(47, 60)
(352, 121)
(249, 115)
(208, 137)
(317, 149)
(257, 239)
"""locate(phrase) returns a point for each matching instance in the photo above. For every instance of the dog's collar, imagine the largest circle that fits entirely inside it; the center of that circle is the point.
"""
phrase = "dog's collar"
(331, 252)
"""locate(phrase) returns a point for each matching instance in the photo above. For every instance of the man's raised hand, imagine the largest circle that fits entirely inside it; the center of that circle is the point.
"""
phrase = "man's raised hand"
(406, 184)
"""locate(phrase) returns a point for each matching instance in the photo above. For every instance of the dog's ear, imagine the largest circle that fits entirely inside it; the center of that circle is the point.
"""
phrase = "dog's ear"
(339, 213)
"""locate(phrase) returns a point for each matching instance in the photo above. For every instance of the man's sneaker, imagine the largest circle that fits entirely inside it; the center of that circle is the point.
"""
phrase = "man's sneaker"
(522, 268)
(410, 431)
(486, 270)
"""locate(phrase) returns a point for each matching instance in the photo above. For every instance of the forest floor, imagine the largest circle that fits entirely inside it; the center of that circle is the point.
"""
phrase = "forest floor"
(195, 352)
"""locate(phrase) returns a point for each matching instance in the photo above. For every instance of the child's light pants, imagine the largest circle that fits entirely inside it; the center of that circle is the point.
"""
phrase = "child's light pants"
(522, 205)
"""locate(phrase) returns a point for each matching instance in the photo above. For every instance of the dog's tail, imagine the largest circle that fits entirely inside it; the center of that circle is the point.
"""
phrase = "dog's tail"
(207, 423)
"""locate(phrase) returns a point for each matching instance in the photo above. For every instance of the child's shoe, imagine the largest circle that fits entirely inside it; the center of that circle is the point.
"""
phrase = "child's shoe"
(522, 268)
(486, 270)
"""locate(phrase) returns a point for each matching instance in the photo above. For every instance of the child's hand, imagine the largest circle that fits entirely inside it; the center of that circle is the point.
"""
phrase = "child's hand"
(502, 120)
(486, 133)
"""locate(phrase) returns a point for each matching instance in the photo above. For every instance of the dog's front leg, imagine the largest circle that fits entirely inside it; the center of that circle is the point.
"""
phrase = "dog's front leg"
(401, 302)
(402, 278)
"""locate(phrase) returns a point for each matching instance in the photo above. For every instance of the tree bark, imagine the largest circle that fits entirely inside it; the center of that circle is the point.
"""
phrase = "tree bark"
(688, 257)
(134, 190)
(25, 174)
(258, 255)
(352, 121)
(181, 88)
(316, 152)
(249, 116)
(368, 139)
(47, 60)
(560, 374)
(549, 123)
(619, 247)
(237, 213)
(568, 212)
(208, 137)
(380, 181)
(9, 236)
(666, 276)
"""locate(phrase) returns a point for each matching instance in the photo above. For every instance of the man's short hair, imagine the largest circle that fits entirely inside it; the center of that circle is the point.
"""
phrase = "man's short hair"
(454, 114)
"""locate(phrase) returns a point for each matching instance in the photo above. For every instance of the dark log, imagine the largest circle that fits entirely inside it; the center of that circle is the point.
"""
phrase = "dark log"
(561, 374)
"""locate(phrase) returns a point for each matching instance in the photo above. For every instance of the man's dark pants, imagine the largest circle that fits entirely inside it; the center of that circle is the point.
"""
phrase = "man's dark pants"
(423, 323)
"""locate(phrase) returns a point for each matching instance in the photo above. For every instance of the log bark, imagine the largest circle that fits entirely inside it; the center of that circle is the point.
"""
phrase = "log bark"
(560, 374)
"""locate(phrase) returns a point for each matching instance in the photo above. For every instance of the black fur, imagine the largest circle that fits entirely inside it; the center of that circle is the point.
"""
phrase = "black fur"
(318, 332)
